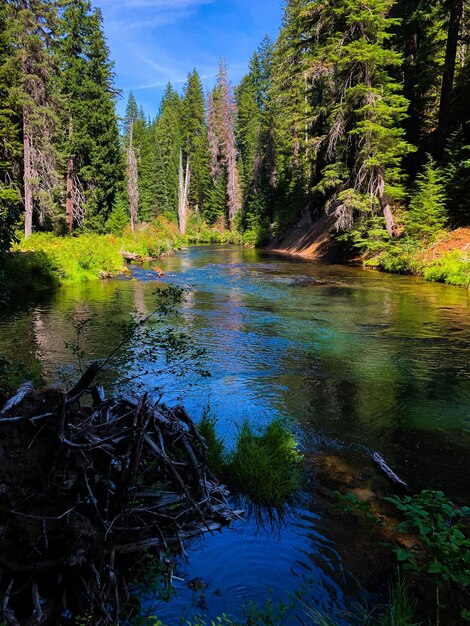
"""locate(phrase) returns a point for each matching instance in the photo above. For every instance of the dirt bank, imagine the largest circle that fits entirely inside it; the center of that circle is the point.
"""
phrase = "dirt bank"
(310, 240)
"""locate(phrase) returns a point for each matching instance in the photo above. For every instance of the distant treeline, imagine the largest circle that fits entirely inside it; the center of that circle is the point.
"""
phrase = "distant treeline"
(360, 109)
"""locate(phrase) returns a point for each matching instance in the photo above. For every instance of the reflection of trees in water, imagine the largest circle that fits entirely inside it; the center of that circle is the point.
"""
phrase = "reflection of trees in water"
(387, 369)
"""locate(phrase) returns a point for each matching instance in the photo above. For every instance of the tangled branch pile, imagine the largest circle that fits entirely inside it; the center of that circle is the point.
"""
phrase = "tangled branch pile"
(84, 485)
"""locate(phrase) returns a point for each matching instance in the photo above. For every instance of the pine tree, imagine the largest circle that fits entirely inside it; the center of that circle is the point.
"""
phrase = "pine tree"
(427, 213)
(89, 117)
(32, 27)
(365, 143)
(168, 137)
(10, 143)
(421, 37)
(255, 139)
(194, 138)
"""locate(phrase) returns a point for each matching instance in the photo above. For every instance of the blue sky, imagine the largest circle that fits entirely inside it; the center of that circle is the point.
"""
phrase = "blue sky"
(156, 41)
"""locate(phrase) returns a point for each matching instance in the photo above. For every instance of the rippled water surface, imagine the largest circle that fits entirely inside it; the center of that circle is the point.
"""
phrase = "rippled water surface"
(351, 357)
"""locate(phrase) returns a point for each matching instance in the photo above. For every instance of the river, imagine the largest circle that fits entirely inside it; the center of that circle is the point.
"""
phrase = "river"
(349, 357)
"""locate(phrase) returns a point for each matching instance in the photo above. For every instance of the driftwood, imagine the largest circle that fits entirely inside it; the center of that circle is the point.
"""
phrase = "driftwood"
(389, 473)
(136, 258)
(86, 485)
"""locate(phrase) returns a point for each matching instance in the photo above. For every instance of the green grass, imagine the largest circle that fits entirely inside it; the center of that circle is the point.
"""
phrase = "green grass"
(45, 261)
(453, 269)
(264, 466)
(407, 256)
(401, 610)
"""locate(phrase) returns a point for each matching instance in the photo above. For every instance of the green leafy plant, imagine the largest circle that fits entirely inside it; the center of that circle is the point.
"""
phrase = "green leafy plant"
(350, 503)
(442, 549)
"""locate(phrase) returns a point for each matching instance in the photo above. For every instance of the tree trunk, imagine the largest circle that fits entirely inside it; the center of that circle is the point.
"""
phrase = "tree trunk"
(412, 123)
(132, 183)
(456, 12)
(69, 201)
(28, 184)
(183, 193)
(386, 210)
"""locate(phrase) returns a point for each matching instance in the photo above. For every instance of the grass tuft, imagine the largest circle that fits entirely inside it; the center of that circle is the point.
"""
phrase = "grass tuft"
(265, 467)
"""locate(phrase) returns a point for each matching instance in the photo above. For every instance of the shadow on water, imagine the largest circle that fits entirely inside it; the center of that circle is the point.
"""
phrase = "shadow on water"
(350, 357)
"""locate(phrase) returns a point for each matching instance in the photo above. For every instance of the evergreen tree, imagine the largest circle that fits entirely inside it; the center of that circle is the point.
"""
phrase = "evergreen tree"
(89, 117)
(168, 137)
(143, 146)
(10, 143)
(32, 28)
(427, 213)
(365, 142)
(194, 138)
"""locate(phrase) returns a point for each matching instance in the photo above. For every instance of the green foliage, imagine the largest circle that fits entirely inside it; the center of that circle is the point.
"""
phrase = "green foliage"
(401, 610)
(119, 216)
(426, 215)
(88, 117)
(350, 503)
(28, 272)
(256, 230)
(265, 466)
(76, 259)
(452, 268)
(12, 375)
(443, 549)
(216, 453)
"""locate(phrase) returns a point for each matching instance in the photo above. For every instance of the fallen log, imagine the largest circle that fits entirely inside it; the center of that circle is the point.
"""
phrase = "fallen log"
(389, 473)
(124, 475)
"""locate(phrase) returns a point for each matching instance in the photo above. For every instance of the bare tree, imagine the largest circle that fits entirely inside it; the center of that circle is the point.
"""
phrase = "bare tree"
(183, 194)
(70, 195)
(222, 143)
(132, 181)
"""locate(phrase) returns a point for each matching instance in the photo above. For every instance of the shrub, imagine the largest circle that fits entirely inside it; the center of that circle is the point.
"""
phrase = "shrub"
(443, 549)
(453, 268)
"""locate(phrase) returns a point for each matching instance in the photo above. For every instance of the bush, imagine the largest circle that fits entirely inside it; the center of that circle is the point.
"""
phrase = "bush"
(27, 272)
(12, 375)
(76, 259)
(453, 268)
(443, 549)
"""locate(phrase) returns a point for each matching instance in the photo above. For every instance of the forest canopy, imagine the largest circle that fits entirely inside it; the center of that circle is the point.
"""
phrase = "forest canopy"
(360, 110)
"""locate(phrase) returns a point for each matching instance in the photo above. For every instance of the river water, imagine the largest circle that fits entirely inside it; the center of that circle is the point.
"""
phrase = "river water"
(349, 357)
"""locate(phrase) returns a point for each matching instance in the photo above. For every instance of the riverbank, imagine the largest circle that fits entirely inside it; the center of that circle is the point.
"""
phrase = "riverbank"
(446, 260)
(45, 261)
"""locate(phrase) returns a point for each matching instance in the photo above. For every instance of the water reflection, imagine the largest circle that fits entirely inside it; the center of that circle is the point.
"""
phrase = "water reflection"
(353, 357)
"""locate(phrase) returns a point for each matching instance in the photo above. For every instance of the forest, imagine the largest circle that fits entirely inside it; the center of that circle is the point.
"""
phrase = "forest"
(210, 413)
(359, 112)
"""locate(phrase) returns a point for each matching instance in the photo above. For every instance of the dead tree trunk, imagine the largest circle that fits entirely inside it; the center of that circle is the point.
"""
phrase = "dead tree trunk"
(183, 194)
(28, 182)
(132, 182)
(385, 206)
(70, 195)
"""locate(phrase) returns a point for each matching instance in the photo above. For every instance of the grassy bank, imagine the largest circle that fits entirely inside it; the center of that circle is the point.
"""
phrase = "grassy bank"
(45, 260)
(446, 260)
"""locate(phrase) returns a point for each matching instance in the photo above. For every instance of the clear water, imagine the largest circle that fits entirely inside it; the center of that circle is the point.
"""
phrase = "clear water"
(350, 357)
